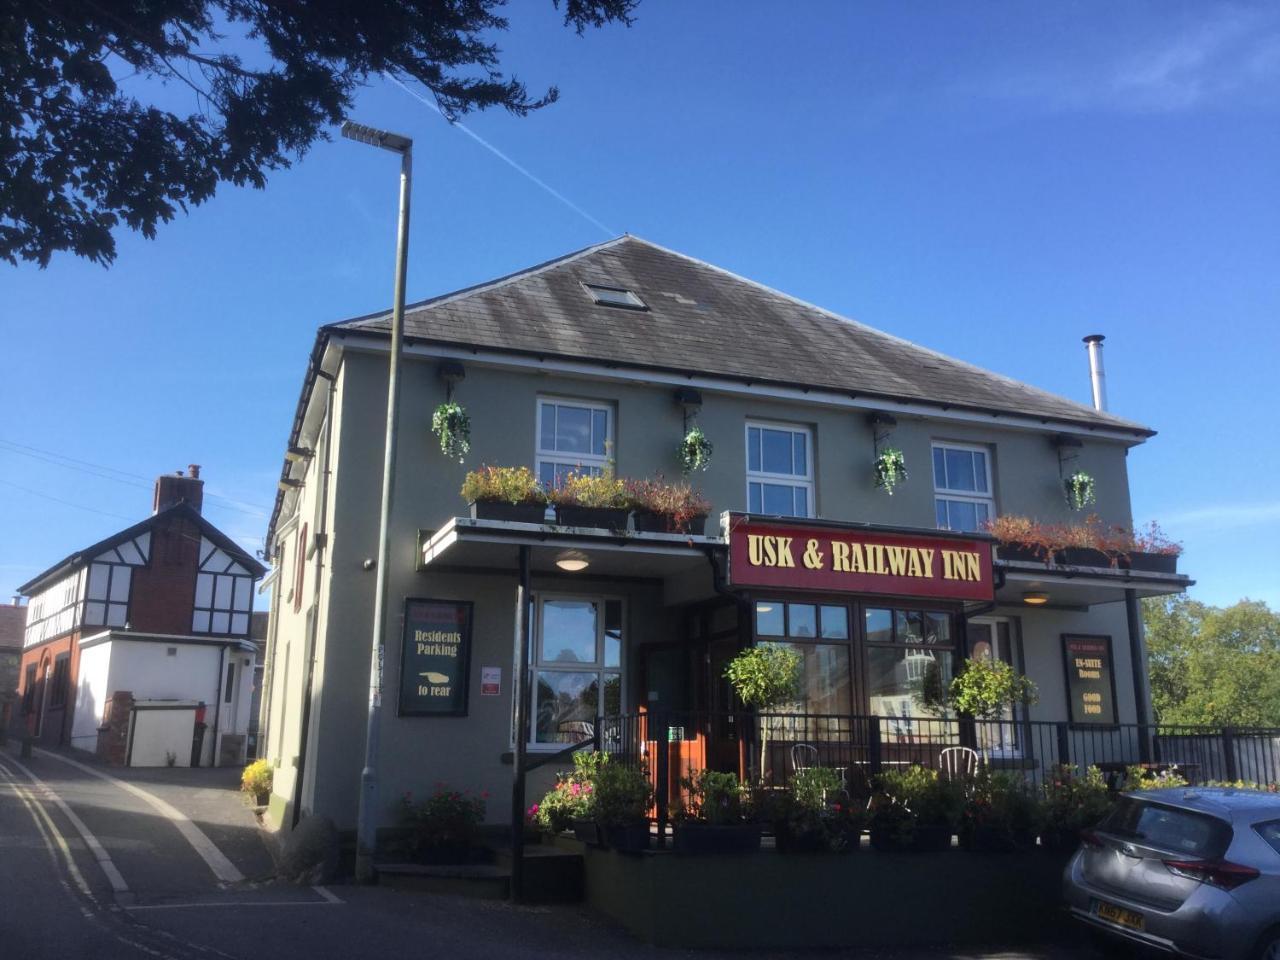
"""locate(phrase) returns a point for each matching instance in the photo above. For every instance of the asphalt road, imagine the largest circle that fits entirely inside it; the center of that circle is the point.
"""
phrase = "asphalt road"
(144, 885)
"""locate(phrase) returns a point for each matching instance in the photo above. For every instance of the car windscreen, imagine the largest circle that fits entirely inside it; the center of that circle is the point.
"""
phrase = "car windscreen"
(1168, 828)
(1270, 832)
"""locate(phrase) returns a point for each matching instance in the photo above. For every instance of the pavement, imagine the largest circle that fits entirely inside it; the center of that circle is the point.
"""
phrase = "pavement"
(170, 863)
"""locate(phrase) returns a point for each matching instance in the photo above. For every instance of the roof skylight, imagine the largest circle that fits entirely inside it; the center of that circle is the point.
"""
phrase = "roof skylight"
(615, 297)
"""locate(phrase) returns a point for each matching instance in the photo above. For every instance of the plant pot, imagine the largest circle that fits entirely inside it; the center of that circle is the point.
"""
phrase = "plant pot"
(608, 518)
(1083, 557)
(702, 838)
(1020, 552)
(262, 799)
(929, 838)
(627, 837)
(647, 521)
(588, 831)
(512, 512)
(1152, 562)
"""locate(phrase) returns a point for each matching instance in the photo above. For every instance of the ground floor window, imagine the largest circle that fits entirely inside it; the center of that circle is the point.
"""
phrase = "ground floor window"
(577, 669)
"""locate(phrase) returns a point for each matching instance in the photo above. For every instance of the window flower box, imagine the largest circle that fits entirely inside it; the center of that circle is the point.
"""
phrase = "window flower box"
(647, 521)
(606, 518)
(512, 512)
(1084, 557)
(1152, 562)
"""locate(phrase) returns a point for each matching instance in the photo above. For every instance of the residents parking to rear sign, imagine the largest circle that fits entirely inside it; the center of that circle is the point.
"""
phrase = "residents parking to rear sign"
(435, 658)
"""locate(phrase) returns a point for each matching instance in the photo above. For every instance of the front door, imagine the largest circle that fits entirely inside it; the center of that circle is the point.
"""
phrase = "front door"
(992, 639)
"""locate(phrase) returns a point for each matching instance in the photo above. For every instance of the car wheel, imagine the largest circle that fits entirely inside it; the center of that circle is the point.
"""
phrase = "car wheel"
(1269, 945)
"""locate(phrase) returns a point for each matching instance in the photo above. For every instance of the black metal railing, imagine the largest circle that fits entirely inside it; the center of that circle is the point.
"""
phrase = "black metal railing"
(673, 746)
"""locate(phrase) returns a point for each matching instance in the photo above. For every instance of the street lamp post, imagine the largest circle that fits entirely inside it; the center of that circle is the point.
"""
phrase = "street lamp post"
(367, 822)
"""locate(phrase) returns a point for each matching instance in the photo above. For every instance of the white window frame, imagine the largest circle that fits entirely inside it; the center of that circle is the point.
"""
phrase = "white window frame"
(794, 480)
(967, 496)
(590, 462)
(598, 667)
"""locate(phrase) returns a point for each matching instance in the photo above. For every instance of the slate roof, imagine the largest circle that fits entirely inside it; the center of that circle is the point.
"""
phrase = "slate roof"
(74, 560)
(705, 320)
(13, 624)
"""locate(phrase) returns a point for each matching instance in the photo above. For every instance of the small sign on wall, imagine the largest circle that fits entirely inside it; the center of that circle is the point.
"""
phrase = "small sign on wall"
(434, 658)
(1091, 682)
(490, 681)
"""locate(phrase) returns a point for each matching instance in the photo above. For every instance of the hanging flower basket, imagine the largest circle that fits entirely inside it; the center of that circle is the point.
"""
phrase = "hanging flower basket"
(452, 425)
(1079, 490)
(891, 469)
(695, 451)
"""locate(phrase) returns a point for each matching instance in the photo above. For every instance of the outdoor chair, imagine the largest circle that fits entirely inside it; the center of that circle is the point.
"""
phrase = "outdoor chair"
(959, 763)
(803, 756)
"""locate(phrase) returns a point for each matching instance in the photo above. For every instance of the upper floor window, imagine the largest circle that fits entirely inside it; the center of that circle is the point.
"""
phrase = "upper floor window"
(779, 470)
(224, 593)
(962, 486)
(573, 437)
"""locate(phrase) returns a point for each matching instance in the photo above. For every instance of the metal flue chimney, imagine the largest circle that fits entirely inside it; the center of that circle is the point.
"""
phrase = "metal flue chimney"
(1097, 375)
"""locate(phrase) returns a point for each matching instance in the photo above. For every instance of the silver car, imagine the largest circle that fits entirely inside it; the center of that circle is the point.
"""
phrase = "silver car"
(1193, 872)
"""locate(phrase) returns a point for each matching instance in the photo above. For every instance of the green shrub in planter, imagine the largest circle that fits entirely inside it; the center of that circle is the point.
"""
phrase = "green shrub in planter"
(505, 493)
(442, 828)
(573, 796)
(763, 677)
(713, 815)
(1072, 801)
(622, 799)
(256, 781)
(1000, 814)
(814, 814)
(913, 809)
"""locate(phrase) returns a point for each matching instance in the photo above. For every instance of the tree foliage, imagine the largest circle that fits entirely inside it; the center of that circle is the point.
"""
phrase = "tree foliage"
(87, 143)
(1212, 665)
(986, 686)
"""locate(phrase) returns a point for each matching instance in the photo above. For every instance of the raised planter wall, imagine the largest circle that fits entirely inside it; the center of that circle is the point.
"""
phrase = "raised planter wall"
(770, 901)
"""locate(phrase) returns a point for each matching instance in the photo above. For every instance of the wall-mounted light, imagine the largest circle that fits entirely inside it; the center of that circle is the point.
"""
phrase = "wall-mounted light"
(1035, 599)
(572, 561)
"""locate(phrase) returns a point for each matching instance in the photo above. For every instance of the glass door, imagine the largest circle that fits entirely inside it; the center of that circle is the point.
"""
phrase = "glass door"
(992, 639)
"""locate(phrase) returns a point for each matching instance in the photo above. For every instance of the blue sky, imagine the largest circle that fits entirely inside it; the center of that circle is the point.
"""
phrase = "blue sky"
(990, 180)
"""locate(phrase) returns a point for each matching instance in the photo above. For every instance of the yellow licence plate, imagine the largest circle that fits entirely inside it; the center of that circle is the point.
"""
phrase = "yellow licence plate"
(1115, 914)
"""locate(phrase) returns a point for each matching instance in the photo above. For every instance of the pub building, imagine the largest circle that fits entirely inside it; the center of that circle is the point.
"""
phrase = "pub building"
(604, 359)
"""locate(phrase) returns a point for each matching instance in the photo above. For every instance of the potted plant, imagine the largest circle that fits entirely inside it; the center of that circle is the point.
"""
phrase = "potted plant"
(814, 814)
(622, 797)
(570, 804)
(256, 781)
(1072, 802)
(891, 469)
(985, 687)
(504, 493)
(913, 810)
(1150, 550)
(452, 426)
(1079, 488)
(764, 677)
(999, 814)
(695, 451)
(441, 828)
(591, 500)
(666, 507)
(1085, 544)
(712, 816)
(1020, 538)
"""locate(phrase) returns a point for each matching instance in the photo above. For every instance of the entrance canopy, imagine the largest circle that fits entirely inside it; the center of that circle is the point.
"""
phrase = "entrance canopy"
(1066, 586)
(682, 562)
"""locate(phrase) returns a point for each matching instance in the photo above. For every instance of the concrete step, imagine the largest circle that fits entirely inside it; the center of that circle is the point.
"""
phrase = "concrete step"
(483, 881)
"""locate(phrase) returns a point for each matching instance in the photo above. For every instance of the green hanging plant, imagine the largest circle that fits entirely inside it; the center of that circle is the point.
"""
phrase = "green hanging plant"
(1080, 491)
(891, 469)
(695, 451)
(452, 425)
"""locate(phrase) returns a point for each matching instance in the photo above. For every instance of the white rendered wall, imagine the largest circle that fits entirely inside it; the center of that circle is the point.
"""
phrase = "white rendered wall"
(91, 695)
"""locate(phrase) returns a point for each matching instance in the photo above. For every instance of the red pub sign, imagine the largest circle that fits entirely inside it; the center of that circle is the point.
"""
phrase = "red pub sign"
(797, 556)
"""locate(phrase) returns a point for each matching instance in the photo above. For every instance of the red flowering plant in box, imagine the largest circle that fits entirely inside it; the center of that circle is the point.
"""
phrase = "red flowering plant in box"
(442, 827)
(666, 507)
(1072, 800)
(573, 796)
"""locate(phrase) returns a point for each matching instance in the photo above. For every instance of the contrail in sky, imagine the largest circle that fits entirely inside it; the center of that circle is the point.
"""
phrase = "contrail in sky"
(502, 156)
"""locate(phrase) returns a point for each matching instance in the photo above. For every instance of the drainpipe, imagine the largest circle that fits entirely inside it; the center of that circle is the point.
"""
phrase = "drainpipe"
(321, 541)
(1139, 669)
(217, 703)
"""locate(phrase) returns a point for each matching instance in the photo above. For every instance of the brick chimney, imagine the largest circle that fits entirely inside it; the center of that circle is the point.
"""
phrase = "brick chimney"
(172, 488)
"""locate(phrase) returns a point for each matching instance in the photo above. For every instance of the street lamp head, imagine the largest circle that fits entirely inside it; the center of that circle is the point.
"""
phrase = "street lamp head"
(375, 137)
